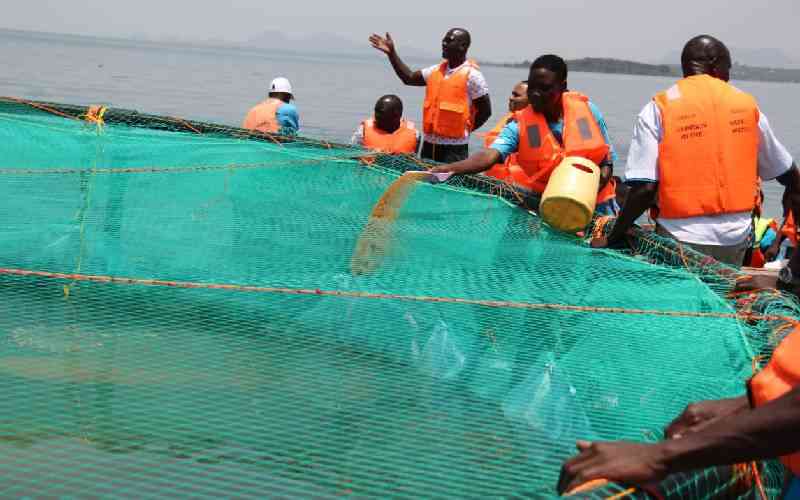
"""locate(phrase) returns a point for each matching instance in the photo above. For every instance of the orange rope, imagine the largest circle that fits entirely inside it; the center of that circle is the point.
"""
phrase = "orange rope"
(139, 170)
(629, 491)
(39, 106)
(407, 298)
(185, 124)
(759, 482)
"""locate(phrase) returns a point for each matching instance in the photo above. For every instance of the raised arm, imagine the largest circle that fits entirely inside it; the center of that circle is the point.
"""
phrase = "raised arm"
(386, 45)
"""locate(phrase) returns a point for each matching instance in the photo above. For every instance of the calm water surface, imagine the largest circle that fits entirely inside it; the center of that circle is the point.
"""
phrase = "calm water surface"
(333, 93)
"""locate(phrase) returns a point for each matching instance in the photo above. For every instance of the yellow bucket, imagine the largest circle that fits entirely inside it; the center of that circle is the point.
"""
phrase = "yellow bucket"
(569, 199)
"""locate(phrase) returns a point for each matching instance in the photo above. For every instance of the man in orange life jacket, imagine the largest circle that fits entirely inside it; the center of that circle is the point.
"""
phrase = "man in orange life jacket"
(556, 124)
(509, 169)
(277, 114)
(762, 424)
(387, 131)
(456, 95)
(696, 153)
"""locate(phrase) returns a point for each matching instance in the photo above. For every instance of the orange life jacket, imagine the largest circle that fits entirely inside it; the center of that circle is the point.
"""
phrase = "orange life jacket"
(263, 116)
(448, 108)
(509, 170)
(539, 151)
(789, 229)
(780, 376)
(402, 140)
(707, 158)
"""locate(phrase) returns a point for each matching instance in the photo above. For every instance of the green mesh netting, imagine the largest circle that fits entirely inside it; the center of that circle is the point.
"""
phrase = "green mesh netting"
(257, 364)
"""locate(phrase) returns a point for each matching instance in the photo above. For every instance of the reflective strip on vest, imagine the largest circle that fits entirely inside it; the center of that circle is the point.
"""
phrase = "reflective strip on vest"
(402, 140)
(780, 376)
(707, 158)
(540, 152)
(447, 109)
(263, 117)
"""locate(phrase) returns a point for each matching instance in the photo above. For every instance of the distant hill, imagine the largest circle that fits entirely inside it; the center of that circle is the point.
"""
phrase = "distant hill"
(325, 43)
(762, 58)
(620, 66)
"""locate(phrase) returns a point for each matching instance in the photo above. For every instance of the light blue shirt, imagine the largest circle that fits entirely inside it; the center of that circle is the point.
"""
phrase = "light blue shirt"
(507, 141)
(288, 118)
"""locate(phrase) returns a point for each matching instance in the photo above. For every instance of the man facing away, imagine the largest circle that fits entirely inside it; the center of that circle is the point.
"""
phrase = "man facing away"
(276, 114)
(697, 151)
(557, 123)
(456, 95)
(387, 131)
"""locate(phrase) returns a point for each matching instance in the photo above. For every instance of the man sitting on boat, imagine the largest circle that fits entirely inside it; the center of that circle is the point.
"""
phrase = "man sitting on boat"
(387, 131)
(697, 151)
(277, 114)
(557, 123)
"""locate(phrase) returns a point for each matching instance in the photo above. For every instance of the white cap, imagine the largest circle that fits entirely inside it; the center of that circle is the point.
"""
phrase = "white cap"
(281, 84)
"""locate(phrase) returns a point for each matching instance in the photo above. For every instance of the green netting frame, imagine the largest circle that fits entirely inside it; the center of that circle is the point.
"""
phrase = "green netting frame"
(237, 375)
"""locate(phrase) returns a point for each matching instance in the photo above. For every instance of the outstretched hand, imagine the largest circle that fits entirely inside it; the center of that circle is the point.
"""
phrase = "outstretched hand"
(699, 415)
(385, 45)
(621, 462)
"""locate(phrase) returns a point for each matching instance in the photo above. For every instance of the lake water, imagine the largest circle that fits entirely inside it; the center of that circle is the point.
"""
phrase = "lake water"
(333, 93)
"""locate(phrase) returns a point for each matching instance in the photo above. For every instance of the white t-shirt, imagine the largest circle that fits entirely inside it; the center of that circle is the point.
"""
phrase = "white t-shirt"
(725, 229)
(476, 87)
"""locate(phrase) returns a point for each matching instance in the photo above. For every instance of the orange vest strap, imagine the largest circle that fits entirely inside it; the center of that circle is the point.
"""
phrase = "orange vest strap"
(707, 158)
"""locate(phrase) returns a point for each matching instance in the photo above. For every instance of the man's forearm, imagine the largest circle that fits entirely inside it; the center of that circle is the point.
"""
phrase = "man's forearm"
(639, 199)
(479, 162)
(403, 71)
(768, 431)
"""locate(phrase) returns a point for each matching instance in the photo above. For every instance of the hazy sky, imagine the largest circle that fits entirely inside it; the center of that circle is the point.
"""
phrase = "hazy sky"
(639, 30)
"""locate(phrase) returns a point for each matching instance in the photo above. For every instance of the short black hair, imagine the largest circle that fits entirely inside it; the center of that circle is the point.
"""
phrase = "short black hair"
(553, 63)
(467, 36)
(389, 101)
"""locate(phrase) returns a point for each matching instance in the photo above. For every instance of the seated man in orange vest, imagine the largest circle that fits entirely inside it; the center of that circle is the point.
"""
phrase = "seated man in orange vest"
(387, 131)
(277, 114)
(509, 169)
(456, 95)
(557, 123)
(760, 425)
(697, 151)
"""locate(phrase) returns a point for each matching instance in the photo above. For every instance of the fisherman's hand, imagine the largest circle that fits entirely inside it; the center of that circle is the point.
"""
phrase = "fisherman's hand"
(621, 462)
(772, 252)
(385, 45)
(699, 415)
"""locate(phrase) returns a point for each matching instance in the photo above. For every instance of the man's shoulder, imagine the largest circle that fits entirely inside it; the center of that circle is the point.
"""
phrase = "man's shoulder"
(288, 108)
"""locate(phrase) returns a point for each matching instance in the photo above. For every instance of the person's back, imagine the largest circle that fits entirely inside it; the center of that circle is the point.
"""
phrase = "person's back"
(387, 131)
(276, 114)
(696, 153)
